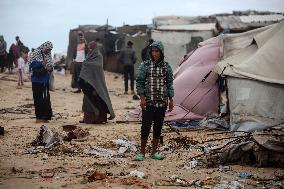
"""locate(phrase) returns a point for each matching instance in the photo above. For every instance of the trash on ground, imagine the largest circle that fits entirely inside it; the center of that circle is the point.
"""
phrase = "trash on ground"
(214, 121)
(134, 182)
(236, 185)
(182, 142)
(138, 174)
(47, 138)
(102, 152)
(47, 173)
(258, 148)
(197, 183)
(125, 145)
(97, 176)
(211, 181)
(179, 181)
(184, 123)
(76, 133)
(244, 175)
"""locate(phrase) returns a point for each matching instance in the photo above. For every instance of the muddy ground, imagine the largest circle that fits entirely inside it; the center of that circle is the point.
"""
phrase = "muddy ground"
(69, 166)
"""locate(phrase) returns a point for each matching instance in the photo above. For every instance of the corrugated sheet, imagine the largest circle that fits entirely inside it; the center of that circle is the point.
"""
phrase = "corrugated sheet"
(231, 22)
(181, 20)
(262, 18)
(172, 20)
(189, 27)
(245, 22)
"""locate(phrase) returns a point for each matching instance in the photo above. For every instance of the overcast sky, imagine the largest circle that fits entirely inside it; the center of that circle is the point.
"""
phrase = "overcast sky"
(37, 21)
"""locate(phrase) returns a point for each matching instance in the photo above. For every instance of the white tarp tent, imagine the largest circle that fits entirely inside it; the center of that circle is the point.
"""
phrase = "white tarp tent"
(254, 65)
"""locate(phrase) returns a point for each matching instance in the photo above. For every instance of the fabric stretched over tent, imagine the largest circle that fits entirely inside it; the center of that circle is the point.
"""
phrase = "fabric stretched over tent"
(262, 59)
(254, 65)
(255, 101)
(197, 97)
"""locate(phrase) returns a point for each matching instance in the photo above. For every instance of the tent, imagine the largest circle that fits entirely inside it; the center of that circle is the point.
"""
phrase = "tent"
(195, 86)
(253, 63)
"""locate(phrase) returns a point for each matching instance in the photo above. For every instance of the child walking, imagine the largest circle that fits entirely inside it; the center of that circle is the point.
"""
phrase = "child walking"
(21, 65)
(154, 84)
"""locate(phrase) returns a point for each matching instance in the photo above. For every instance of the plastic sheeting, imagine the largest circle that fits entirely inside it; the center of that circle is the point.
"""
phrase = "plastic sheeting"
(245, 54)
(254, 101)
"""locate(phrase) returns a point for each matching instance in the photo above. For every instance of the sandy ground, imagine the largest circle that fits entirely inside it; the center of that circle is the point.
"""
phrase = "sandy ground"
(71, 166)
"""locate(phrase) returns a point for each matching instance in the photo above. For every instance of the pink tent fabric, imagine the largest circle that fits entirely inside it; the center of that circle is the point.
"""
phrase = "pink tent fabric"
(195, 96)
(195, 86)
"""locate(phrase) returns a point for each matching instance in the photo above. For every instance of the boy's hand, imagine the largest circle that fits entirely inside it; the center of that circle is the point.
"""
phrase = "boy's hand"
(143, 102)
(171, 105)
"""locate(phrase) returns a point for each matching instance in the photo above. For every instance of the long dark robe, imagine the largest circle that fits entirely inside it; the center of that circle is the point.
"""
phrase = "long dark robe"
(96, 99)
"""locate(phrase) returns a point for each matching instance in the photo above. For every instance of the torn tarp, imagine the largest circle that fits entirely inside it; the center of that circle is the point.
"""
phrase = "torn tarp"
(46, 138)
(261, 149)
(124, 146)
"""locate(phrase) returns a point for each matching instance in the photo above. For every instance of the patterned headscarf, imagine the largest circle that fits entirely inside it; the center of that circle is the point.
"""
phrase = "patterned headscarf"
(38, 55)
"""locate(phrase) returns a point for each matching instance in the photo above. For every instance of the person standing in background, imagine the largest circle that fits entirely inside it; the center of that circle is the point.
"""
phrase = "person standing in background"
(79, 56)
(41, 65)
(146, 52)
(21, 64)
(3, 53)
(96, 100)
(15, 53)
(128, 59)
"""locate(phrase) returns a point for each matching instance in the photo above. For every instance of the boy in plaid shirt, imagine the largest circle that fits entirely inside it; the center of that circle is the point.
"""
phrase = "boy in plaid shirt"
(154, 84)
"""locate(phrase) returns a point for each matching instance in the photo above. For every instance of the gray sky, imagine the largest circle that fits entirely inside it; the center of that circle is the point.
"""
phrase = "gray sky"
(37, 21)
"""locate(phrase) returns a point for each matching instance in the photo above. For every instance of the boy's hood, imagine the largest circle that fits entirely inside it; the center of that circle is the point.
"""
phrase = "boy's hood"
(159, 45)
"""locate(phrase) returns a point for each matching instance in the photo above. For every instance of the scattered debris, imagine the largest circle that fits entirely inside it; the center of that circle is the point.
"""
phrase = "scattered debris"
(250, 148)
(68, 128)
(15, 170)
(23, 109)
(46, 138)
(192, 164)
(236, 185)
(182, 142)
(184, 123)
(131, 181)
(177, 181)
(223, 184)
(101, 152)
(97, 176)
(124, 146)
(244, 175)
(197, 183)
(47, 173)
(214, 121)
(74, 133)
(138, 174)
(211, 181)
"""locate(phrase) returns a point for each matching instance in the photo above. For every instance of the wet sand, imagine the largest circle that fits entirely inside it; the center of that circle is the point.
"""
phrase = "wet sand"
(71, 166)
